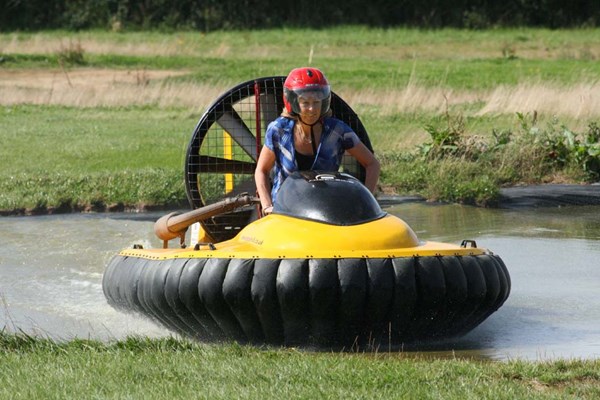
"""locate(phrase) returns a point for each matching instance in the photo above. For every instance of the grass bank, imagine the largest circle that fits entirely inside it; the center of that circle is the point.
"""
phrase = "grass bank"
(169, 368)
(93, 120)
(60, 159)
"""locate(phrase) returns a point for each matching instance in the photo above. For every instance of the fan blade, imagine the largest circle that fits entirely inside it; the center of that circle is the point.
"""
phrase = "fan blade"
(235, 126)
(223, 166)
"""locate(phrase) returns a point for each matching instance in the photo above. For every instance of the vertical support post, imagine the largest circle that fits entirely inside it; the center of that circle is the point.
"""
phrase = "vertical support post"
(258, 132)
(228, 155)
(258, 125)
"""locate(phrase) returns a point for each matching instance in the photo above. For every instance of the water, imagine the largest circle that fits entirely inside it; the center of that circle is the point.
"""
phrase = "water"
(553, 256)
(51, 270)
(51, 275)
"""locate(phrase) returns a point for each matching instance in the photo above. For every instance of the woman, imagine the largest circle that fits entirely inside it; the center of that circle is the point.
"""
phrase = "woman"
(306, 137)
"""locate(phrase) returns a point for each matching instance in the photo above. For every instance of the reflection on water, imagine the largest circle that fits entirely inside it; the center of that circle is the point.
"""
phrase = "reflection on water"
(454, 222)
(51, 270)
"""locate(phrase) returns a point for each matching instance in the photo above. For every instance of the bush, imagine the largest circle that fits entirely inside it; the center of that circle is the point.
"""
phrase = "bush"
(253, 14)
(456, 167)
(71, 55)
(561, 148)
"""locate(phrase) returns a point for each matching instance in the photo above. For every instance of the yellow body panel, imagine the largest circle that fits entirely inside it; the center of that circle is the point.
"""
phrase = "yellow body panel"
(279, 236)
(228, 155)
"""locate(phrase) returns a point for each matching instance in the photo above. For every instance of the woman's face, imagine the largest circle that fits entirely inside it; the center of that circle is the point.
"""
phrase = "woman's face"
(310, 107)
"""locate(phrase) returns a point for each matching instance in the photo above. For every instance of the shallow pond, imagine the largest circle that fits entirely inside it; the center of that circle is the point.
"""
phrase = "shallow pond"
(51, 272)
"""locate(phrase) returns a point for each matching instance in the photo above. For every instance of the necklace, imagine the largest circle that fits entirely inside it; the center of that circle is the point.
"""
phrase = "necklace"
(303, 137)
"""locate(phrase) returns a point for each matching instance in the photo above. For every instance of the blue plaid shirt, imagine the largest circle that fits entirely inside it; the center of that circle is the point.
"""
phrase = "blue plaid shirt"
(336, 138)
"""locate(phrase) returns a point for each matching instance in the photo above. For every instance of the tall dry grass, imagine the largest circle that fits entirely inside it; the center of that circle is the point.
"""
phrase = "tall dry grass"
(581, 100)
(103, 88)
(392, 44)
(44, 44)
(84, 87)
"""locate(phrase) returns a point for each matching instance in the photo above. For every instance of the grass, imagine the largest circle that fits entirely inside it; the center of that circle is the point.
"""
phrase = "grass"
(94, 139)
(72, 158)
(140, 189)
(354, 57)
(132, 157)
(168, 368)
(81, 107)
(349, 72)
(337, 41)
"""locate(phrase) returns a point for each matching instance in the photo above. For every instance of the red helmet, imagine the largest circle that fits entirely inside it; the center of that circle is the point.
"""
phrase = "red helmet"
(303, 80)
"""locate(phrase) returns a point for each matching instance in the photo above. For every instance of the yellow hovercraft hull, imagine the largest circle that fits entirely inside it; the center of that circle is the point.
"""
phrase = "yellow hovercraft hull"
(279, 236)
(328, 269)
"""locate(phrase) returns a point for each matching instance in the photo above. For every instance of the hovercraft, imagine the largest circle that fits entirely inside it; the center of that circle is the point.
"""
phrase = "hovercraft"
(327, 269)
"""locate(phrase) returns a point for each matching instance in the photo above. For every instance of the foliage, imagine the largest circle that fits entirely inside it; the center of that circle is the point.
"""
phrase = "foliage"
(209, 15)
(457, 167)
(561, 147)
(443, 180)
(71, 55)
(445, 141)
(452, 141)
(557, 146)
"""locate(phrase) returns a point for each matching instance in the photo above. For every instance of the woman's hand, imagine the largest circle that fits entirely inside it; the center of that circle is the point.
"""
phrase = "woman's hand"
(369, 162)
(267, 210)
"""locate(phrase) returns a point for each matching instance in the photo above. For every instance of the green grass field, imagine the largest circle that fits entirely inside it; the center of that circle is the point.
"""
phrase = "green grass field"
(90, 120)
(77, 157)
(168, 368)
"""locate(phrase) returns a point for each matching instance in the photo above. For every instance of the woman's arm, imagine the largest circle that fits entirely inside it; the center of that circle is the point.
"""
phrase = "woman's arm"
(265, 163)
(367, 159)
